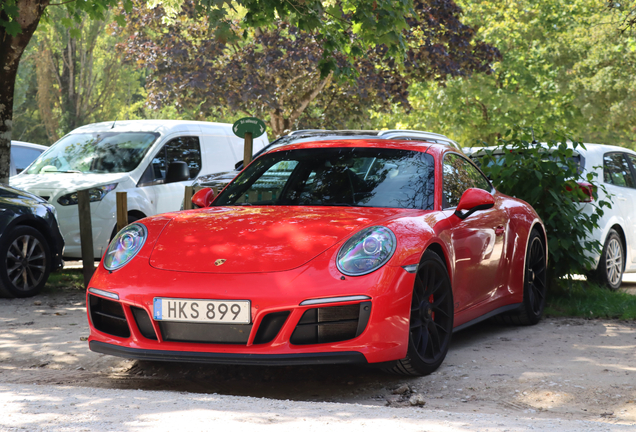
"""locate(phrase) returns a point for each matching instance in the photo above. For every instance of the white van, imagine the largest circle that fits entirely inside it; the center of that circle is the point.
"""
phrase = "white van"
(151, 160)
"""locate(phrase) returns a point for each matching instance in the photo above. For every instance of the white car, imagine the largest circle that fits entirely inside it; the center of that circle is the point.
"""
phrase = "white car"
(23, 154)
(616, 171)
(151, 160)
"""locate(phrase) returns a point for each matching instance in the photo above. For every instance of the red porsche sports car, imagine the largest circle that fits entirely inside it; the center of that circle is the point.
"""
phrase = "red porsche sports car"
(348, 251)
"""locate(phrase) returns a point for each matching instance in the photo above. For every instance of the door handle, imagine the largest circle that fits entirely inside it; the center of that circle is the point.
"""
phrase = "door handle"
(500, 230)
(621, 198)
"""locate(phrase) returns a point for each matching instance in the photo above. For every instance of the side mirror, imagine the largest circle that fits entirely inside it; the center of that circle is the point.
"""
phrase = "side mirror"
(177, 171)
(473, 200)
(203, 198)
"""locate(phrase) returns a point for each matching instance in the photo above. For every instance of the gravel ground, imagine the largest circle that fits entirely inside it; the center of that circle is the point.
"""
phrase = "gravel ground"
(568, 374)
(60, 408)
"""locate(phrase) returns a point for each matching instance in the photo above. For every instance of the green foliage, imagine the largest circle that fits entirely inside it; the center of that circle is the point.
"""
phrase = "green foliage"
(65, 279)
(67, 79)
(546, 176)
(280, 73)
(589, 300)
(9, 13)
(565, 65)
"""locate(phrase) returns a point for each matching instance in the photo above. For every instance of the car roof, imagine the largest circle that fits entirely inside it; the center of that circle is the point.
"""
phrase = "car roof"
(392, 134)
(160, 126)
(28, 145)
(421, 146)
(589, 148)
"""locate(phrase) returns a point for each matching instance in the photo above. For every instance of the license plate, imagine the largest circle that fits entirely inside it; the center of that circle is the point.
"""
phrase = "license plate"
(210, 311)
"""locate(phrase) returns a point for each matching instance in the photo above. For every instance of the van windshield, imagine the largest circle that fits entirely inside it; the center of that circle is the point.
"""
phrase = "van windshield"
(97, 152)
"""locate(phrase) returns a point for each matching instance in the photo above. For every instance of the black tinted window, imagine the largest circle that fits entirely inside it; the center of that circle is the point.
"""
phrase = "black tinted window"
(459, 175)
(616, 170)
(186, 149)
(364, 177)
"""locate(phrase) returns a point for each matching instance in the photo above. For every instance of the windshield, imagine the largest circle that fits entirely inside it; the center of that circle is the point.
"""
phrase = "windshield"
(364, 177)
(98, 152)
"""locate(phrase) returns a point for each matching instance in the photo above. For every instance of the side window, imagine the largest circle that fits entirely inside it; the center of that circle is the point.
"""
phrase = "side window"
(459, 175)
(267, 189)
(616, 170)
(632, 159)
(186, 149)
(23, 156)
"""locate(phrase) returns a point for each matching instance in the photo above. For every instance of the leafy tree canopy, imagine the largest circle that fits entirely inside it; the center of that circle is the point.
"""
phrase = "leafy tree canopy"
(276, 72)
(565, 64)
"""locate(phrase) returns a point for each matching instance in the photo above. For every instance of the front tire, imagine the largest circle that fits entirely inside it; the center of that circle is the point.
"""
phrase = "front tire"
(612, 262)
(431, 319)
(25, 262)
(534, 285)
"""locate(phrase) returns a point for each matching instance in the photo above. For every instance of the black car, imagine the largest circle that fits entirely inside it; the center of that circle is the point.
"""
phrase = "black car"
(30, 243)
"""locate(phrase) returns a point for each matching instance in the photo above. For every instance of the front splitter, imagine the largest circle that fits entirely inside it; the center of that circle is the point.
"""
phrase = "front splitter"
(343, 357)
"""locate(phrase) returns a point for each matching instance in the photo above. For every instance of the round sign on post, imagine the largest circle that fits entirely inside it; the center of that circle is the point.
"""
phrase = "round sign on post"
(248, 124)
(247, 128)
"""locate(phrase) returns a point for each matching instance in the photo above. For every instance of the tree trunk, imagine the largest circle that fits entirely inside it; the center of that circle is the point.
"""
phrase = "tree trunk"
(11, 49)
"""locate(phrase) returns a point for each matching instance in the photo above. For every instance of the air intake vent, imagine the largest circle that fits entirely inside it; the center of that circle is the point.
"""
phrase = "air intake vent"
(270, 326)
(331, 324)
(143, 323)
(108, 316)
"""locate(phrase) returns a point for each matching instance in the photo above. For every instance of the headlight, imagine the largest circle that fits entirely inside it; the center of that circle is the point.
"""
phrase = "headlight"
(126, 244)
(366, 251)
(95, 194)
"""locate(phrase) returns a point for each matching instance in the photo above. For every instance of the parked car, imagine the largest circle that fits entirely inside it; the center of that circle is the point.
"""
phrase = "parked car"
(616, 172)
(30, 243)
(22, 154)
(220, 179)
(342, 251)
(151, 160)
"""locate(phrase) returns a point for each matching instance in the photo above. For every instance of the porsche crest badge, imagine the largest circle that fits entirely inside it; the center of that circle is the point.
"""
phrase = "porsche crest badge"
(219, 262)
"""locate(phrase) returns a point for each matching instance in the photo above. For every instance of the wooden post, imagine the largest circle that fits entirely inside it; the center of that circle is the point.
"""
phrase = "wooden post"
(86, 234)
(187, 199)
(247, 153)
(122, 210)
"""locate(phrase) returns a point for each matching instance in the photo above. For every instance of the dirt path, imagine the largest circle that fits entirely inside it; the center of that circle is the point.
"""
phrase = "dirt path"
(570, 369)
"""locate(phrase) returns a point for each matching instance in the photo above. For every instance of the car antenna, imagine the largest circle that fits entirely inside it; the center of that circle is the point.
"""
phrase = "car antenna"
(116, 122)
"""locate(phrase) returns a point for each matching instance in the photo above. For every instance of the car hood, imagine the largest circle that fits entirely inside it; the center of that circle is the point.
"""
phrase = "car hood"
(66, 182)
(257, 239)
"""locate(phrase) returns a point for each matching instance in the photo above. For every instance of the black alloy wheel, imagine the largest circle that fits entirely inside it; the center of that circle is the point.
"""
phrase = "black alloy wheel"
(25, 262)
(534, 285)
(431, 320)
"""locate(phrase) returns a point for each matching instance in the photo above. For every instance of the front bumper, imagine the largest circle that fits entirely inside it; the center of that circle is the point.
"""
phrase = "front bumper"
(381, 336)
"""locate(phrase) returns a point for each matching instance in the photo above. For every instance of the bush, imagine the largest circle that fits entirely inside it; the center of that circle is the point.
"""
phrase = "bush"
(545, 176)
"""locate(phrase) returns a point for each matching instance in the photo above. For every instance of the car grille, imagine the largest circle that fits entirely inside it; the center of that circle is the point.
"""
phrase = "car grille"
(206, 333)
(331, 324)
(108, 316)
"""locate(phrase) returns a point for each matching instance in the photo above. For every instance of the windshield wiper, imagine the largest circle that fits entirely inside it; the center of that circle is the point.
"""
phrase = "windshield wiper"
(67, 172)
